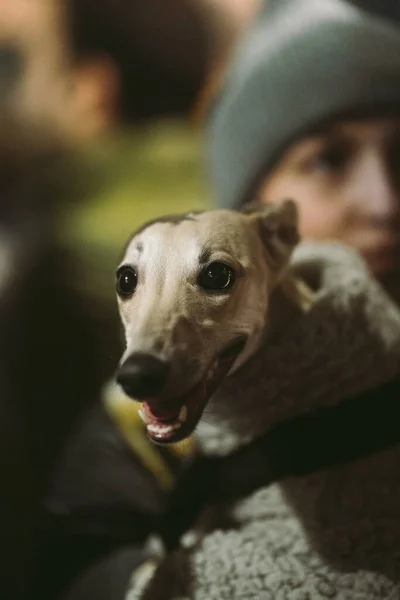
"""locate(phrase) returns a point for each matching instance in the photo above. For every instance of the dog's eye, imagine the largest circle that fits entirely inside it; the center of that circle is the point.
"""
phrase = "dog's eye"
(126, 281)
(217, 277)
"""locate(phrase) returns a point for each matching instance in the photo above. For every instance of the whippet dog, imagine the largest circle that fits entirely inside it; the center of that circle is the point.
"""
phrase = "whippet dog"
(195, 295)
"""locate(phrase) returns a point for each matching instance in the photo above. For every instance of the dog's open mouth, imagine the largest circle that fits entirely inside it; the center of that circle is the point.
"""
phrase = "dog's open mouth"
(172, 420)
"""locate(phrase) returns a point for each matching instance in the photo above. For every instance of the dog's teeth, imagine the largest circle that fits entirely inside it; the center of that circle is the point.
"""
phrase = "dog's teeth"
(182, 414)
(162, 429)
(143, 416)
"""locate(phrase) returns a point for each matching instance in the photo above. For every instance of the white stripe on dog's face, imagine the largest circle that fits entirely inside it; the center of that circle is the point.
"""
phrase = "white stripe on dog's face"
(171, 315)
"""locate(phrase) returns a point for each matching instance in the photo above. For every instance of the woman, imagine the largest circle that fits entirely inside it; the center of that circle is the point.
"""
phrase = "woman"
(311, 110)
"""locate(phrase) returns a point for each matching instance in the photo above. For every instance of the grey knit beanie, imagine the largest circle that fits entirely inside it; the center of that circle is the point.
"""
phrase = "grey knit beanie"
(302, 62)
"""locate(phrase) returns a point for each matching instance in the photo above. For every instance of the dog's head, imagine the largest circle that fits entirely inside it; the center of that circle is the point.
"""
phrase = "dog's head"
(193, 296)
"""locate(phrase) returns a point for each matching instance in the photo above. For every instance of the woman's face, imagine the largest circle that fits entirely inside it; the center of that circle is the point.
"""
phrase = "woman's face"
(346, 181)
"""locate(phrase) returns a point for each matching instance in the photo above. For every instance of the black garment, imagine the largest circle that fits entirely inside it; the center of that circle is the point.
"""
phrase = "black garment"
(102, 503)
(295, 447)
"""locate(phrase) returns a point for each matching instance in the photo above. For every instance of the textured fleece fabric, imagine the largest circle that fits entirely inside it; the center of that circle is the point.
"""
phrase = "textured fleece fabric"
(303, 61)
(334, 533)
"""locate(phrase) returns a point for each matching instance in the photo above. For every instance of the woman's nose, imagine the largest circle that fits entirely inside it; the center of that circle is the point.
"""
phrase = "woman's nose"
(375, 189)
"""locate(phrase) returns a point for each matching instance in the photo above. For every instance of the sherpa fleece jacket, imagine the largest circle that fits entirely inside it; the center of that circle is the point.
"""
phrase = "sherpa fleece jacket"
(321, 403)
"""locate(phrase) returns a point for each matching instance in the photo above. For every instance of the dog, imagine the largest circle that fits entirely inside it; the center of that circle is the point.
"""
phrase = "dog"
(266, 349)
(194, 294)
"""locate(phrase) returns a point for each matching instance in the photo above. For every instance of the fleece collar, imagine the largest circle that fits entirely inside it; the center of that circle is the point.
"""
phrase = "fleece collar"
(347, 344)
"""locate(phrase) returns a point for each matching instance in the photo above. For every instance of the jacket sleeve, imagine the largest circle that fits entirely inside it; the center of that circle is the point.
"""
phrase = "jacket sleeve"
(101, 507)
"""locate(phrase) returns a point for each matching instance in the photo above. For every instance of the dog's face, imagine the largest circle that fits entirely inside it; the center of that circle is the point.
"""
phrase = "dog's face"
(193, 297)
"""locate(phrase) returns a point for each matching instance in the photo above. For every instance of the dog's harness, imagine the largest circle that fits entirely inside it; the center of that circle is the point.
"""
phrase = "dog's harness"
(346, 432)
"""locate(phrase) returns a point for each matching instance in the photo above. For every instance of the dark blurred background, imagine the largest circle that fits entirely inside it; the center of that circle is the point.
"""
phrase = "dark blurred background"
(102, 106)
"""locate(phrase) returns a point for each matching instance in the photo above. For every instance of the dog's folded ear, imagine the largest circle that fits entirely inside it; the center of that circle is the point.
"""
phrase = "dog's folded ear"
(278, 228)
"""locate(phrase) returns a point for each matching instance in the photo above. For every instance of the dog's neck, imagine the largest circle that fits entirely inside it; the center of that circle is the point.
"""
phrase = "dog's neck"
(290, 299)
(317, 351)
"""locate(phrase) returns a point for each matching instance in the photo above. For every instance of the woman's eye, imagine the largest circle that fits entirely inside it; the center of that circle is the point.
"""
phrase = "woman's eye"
(217, 276)
(332, 159)
(126, 281)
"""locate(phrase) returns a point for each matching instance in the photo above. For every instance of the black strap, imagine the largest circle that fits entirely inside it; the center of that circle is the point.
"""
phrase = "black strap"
(351, 430)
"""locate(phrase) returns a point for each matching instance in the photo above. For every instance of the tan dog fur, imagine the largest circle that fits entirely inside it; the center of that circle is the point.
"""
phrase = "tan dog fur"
(171, 317)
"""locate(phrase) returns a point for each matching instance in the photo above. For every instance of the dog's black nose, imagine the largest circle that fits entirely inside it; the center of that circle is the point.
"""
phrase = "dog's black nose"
(142, 375)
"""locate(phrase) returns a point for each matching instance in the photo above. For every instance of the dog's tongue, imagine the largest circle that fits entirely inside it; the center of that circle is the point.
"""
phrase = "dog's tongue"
(163, 411)
(163, 420)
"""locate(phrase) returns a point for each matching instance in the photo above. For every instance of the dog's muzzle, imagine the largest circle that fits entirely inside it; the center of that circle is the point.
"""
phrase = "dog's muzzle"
(174, 418)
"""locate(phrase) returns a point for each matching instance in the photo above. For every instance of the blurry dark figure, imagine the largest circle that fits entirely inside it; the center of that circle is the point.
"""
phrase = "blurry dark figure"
(49, 365)
(51, 373)
(88, 67)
